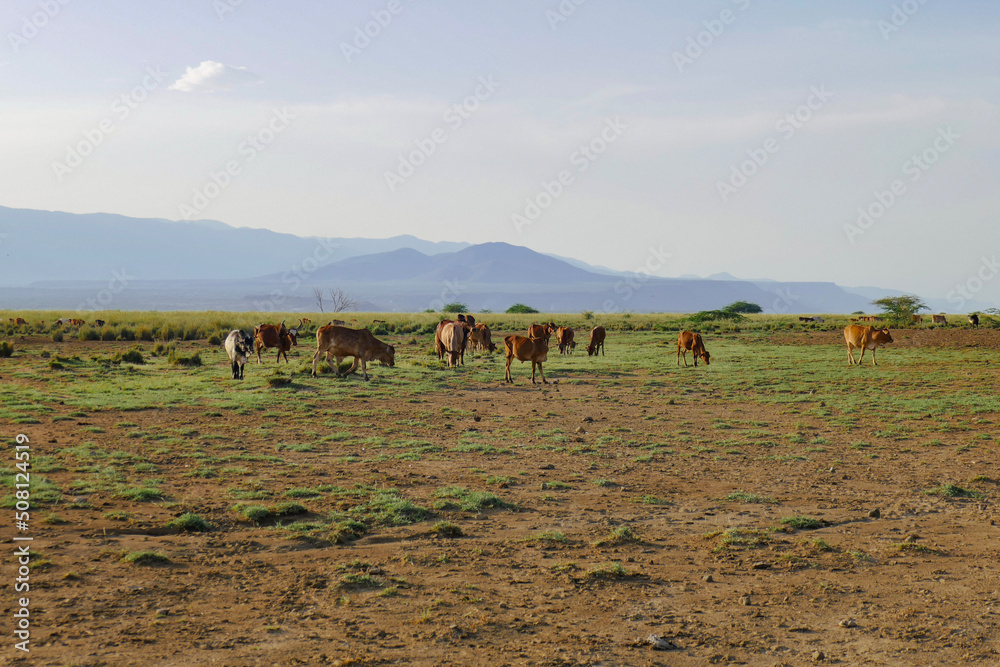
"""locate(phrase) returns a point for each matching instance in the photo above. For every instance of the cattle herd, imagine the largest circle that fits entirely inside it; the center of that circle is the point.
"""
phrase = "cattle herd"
(452, 338)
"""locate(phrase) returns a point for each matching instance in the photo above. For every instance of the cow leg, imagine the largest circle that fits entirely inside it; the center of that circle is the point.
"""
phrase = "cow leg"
(233, 366)
(873, 357)
(258, 353)
(850, 355)
(353, 367)
(364, 368)
(242, 363)
(506, 376)
(862, 355)
(540, 372)
(316, 358)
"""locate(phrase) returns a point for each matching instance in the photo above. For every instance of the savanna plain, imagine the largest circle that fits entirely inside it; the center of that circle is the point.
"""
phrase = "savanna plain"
(777, 507)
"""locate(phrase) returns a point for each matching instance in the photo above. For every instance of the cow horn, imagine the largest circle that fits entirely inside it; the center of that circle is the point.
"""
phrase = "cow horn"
(300, 324)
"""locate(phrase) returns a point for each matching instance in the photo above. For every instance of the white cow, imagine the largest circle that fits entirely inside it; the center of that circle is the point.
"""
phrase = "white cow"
(239, 347)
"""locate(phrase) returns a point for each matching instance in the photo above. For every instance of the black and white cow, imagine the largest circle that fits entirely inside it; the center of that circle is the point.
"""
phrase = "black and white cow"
(239, 347)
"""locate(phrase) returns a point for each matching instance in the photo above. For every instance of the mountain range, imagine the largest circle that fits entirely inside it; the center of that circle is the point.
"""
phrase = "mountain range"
(55, 260)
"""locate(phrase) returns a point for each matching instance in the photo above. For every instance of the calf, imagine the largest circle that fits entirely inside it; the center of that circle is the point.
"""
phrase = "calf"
(564, 338)
(239, 347)
(597, 336)
(939, 319)
(688, 340)
(535, 350)
(481, 338)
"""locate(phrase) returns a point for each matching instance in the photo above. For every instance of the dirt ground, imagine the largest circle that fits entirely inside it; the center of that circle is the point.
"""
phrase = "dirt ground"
(624, 521)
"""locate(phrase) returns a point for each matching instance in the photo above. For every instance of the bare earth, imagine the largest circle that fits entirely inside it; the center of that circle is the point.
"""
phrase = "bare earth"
(534, 584)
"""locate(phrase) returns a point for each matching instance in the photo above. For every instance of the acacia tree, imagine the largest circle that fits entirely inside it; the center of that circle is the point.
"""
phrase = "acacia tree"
(743, 307)
(900, 309)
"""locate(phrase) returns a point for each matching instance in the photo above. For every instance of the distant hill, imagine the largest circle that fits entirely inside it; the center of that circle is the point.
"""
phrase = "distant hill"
(47, 245)
(52, 260)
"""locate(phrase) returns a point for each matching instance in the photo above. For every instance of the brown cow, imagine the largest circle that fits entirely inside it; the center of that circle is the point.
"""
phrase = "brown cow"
(564, 338)
(338, 342)
(18, 322)
(535, 350)
(268, 335)
(439, 342)
(939, 319)
(865, 338)
(304, 320)
(540, 331)
(453, 341)
(688, 340)
(917, 319)
(597, 336)
(481, 338)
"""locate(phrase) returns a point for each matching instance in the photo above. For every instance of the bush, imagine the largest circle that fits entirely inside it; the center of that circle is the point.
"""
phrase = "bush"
(57, 336)
(215, 339)
(521, 309)
(144, 333)
(455, 307)
(189, 522)
(88, 333)
(177, 360)
(6, 349)
(133, 356)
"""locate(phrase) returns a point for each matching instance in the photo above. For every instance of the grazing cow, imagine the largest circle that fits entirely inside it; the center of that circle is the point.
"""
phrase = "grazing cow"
(338, 323)
(688, 340)
(597, 336)
(535, 350)
(539, 331)
(239, 347)
(99, 323)
(453, 336)
(974, 320)
(564, 338)
(917, 319)
(76, 323)
(865, 338)
(818, 319)
(481, 338)
(806, 319)
(304, 320)
(338, 342)
(939, 319)
(439, 342)
(268, 335)
(18, 321)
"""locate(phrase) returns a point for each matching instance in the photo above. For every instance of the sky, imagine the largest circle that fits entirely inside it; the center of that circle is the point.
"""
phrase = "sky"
(845, 141)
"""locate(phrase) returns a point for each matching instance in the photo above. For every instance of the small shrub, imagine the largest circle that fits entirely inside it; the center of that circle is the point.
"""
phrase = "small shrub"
(6, 349)
(953, 491)
(612, 570)
(803, 522)
(57, 336)
(140, 493)
(133, 356)
(347, 531)
(177, 360)
(88, 333)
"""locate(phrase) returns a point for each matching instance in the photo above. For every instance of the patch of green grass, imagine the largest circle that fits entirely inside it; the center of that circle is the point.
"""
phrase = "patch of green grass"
(389, 508)
(954, 491)
(604, 482)
(747, 497)
(549, 536)
(610, 570)
(139, 494)
(621, 535)
(189, 522)
(118, 515)
(145, 558)
(802, 522)
(447, 529)
(347, 531)
(741, 538)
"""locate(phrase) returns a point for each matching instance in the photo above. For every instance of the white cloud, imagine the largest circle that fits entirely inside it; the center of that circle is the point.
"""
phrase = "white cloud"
(210, 77)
